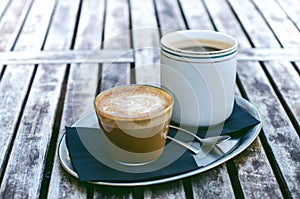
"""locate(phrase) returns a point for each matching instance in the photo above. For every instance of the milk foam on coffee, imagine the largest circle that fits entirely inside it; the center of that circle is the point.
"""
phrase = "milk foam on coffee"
(133, 104)
(132, 108)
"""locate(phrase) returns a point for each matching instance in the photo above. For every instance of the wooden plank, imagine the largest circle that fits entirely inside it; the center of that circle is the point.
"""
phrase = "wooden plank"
(255, 174)
(12, 96)
(259, 40)
(113, 192)
(67, 56)
(24, 180)
(290, 8)
(195, 14)
(285, 30)
(279, 133)
(11, 12)
(4, 4)
(254, 183)
(146, 43)
(215, 185)
(116, 35)
(219, 11)
(169, 16)
(268, 54)
(287, 81)
(277, 128)
(151, 75)
(215, 182)
(147, 53)
(289, 36)
(11, 22)
(92, 56)
(80, 93)
(168, 190)
(15, 14)
(14, 86)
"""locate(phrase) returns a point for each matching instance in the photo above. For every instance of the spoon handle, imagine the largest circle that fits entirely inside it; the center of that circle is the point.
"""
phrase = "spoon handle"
(206, 141)
(186, 131)
(187, 146)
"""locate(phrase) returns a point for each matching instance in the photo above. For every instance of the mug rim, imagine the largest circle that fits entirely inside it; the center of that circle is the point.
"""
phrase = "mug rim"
(199, 35)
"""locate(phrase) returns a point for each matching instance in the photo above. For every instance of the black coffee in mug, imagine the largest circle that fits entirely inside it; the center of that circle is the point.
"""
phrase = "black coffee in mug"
(201, 45)
(200, 48)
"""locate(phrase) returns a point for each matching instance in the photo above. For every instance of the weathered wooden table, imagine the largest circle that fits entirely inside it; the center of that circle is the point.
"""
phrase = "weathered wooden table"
(44, 86)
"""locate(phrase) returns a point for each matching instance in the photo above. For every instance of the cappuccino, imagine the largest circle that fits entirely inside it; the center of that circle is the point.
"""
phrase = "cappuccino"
(135, 121)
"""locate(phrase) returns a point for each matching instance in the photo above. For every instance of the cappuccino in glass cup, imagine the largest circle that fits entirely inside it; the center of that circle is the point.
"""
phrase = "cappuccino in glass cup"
(134, 120)
(199, 68)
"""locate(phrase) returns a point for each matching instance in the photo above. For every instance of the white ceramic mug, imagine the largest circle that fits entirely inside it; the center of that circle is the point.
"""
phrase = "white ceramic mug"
(202, 80)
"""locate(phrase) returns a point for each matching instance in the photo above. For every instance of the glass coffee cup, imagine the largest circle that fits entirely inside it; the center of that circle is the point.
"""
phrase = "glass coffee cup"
(134, 120)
